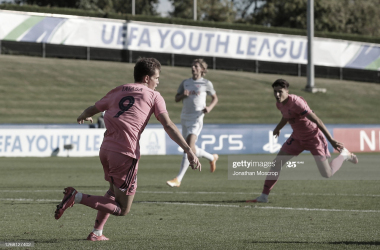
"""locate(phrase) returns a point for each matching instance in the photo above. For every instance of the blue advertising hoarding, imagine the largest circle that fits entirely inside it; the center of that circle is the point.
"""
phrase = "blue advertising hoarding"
(224, 139)
(245, 138)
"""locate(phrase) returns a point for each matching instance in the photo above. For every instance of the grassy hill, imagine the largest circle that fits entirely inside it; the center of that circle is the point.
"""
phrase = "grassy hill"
(37, 90)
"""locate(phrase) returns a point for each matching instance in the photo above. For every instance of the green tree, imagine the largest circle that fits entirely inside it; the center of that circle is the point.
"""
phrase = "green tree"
(345, 16)
(244, 8)
(104, 6)
(218, 11)
(279, 13)
(142, 7)
(181, 9)
(207, 10)
(52, 3)
(358, 17)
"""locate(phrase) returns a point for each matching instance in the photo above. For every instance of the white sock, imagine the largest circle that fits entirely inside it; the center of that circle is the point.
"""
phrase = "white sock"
(201, 153)
(184, 165)
(337, 163)
(97, 232)
(78, 197)
(346, 154)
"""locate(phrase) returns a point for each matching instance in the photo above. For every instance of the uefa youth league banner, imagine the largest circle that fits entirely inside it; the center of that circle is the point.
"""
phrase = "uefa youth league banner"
(83, 142)
(178, 39)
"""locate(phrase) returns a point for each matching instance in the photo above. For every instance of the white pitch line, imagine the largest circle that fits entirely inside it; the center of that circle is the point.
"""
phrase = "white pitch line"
(172, 192)
(294, 194)
(262, 207)
(311, 194)
(176, 192)
(322, 209)
(214, 205)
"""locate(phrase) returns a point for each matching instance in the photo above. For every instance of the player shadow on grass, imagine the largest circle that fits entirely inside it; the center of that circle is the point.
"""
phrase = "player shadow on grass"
(370, 243)
(32, 203)
(35, 241)
(53, 240)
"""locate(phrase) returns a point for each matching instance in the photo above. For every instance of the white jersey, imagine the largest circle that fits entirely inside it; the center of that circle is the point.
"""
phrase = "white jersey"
(196, 101)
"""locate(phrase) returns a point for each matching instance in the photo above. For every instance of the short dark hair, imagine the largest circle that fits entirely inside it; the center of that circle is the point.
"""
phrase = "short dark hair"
(282, 83)
(145, 66)
(203, 65)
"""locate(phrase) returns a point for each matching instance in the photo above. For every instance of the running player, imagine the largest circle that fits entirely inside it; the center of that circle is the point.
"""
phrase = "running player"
(129, 108)
(308, 131)
(193, 92)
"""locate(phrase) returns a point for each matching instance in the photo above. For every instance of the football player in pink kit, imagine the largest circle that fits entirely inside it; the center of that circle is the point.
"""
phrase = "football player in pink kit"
(129, 108)
(309, 133)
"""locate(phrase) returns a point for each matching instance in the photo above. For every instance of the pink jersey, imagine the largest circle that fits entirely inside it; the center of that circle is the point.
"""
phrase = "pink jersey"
(295, 111)
(128, 109)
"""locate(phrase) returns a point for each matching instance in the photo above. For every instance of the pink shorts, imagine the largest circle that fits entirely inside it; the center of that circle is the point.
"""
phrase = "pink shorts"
(317, 146)
(119, 169)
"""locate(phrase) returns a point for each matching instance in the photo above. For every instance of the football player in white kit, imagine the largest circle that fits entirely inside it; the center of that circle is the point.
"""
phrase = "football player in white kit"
(193, 93)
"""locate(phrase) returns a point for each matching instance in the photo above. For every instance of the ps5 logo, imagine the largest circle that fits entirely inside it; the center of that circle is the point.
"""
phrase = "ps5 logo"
(233, 141)
(273, 146)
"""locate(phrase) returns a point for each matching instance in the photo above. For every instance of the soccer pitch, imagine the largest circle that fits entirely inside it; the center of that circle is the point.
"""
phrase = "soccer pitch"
(208, 211)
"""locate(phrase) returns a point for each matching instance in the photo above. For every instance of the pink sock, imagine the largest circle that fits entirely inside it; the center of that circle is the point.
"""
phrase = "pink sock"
(102, 217)
(336, 164)
(101, 203)
(268, 185)
(270, 181)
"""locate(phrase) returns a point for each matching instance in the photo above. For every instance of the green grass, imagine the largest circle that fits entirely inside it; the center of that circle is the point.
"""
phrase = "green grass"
(37, 90)
(207, 212)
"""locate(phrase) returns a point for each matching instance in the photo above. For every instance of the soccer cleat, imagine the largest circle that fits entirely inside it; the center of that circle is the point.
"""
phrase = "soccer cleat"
(259, 199)
(67, 201)
(174, 182)
(349, 156)
(353, 158)
(94, 237)
(213, 163)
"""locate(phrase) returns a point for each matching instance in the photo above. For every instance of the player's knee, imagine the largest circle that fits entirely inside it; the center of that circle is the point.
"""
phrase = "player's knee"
(124, 211)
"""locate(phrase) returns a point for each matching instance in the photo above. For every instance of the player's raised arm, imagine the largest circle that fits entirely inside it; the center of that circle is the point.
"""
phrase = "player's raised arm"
(173, 132)
(87, 114)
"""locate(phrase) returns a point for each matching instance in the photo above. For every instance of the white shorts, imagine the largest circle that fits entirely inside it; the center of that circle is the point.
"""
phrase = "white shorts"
(192, 127)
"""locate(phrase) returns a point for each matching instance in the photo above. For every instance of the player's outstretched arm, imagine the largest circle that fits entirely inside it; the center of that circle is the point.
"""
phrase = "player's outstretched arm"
(173, 132)
(87, 114)
(314, 118)
(280, 125)
(214, 101)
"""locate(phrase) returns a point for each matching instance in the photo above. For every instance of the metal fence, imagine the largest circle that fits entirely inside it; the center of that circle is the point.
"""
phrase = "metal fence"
(91, 53)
